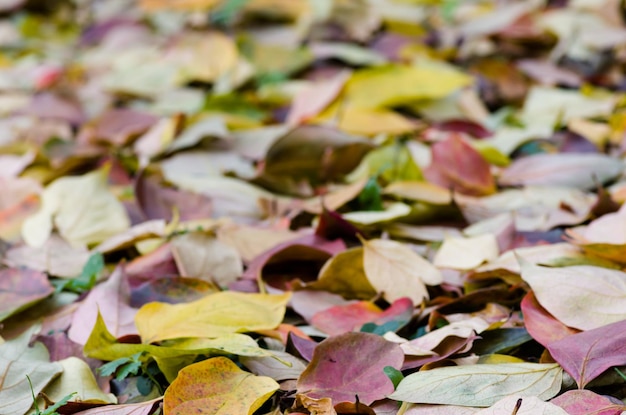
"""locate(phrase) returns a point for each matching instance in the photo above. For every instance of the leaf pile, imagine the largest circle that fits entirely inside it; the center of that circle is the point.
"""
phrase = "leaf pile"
(312, 207)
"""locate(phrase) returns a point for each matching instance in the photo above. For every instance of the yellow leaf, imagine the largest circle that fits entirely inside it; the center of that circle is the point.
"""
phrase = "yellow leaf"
(498, 358)
(420, 191)
(365, 121)
(191, 5)
(174, 355)
(212, 316)
(343, 274)
(397, 271)
(217, 387)
(77, 377)
(81, 208)
(393, 85)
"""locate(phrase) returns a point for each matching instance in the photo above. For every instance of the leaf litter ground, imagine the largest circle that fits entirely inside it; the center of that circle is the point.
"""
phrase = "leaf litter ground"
(312, 207)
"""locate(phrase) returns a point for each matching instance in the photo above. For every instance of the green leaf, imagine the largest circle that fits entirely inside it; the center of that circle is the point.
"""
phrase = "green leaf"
(124, 366)
(226, 13)
(88, 277)
(394, 375)
(370, 197)
(51, 410)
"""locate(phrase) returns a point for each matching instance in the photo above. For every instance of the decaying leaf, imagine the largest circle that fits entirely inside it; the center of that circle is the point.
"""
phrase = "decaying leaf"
(217, 386)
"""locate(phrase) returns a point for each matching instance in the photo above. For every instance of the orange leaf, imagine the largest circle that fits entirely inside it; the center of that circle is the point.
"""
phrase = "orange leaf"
(217, 387)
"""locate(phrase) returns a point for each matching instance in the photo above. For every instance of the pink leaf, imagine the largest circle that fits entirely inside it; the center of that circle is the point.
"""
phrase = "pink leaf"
(111, 298)
(584, 402)
(344, 318)
(540, 324)
(581, 171)
(458, 166)
(20, 288)
(312, 100)
(351, 365)
(586, 355)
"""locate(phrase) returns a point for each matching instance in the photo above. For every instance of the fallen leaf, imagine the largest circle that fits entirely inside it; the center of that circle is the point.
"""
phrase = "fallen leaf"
(420, 191)
(158, 201)
(212, 316)
(111, 299)
(199, 255)
(145, 230)
(18, 201)
(603, 236)
(18, 359)
(55, 256)
(321, 406)
(393, 85)
(550, 107)
(143, 408)
(540, 254)
(535, 208)
(396, 271)
(427, 344)
(466, 253)
(20, 289)
(77, 378)
(288, 367)
(589, 296)
(336, 370)
(586, 355)
(542, 325)
(391, 212)
(315, 97)
(457, 166)
(343, 274)
(392, 162)
(366, 121)
(171, 290)
(252, 241)
(314, 153)
(345, 318)
(177, 354)
(81, 208)
(217, 386)
(118, 126)
(528, 405)
(577, 170)
(479, 385)
(419, 409)
(312, 248)
(583, 402)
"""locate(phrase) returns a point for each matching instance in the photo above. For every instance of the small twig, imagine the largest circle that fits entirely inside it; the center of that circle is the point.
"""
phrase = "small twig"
(518, 405)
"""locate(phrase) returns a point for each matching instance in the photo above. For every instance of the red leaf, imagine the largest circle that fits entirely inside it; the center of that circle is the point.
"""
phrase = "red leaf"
(456, 165)
(351, 365)
(344, 318)
(586, 355)
(540, 324)
(583, 402)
